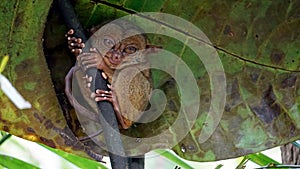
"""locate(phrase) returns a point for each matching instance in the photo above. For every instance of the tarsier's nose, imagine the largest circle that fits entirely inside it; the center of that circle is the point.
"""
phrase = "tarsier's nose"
(116, 55)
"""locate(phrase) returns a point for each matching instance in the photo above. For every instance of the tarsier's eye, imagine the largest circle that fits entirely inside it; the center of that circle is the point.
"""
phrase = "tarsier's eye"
(108, 42)
(130, 49)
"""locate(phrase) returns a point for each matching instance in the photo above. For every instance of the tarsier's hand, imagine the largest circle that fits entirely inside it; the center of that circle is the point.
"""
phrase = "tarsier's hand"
(89, 59)
(75, 44)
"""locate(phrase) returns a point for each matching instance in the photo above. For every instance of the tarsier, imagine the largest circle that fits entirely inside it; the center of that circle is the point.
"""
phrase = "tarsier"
(112, 52)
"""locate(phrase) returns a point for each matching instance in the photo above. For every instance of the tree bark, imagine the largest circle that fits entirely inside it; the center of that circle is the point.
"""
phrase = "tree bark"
(290, 154)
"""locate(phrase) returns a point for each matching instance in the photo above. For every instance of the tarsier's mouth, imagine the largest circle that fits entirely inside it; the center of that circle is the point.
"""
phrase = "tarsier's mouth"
(112, 63)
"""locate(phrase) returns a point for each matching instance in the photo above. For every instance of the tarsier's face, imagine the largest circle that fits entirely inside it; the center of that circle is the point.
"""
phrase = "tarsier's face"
(117, 49)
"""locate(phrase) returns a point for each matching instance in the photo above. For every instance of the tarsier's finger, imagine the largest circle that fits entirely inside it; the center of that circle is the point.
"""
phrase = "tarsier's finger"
(76, 51)
(104, 75)
(81, 45)
(89, 63)
(85, 67)
(70, 32)
(87, 78)
(71, 39)
(93, 95)
(86, 64)
(82, 56)
(92, 49)
(90, 79)
(103, 92)
(103, 95)
(86, 56)
(79, 40)
(88, 85)
(75, 45)
(98, 99)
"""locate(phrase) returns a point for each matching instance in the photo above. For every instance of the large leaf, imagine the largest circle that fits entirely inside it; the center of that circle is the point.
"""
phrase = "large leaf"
(22, 28)
(257, 41)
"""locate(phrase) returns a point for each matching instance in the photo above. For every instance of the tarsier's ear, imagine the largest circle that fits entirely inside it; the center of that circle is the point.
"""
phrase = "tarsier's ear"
(152, 49)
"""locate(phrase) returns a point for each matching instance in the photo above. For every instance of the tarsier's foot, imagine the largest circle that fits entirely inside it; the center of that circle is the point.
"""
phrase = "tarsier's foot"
(75, 44)
(103, 95)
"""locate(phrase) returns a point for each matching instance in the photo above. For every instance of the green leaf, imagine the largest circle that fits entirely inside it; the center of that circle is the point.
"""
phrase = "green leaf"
(76, 160)
(242, 164)
(261, 159)
(11, 162)
(4, 136)
(168, 155)
(22, 33)
(262, 79)
(219, 166)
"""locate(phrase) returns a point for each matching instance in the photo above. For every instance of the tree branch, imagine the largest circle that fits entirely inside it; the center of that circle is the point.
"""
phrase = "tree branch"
(107, 115)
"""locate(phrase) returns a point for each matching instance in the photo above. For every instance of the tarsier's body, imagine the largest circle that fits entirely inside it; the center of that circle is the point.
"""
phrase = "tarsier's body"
(115, 51)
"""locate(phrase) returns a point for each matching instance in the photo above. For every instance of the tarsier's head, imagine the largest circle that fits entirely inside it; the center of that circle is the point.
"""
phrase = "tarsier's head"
(118, 47)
